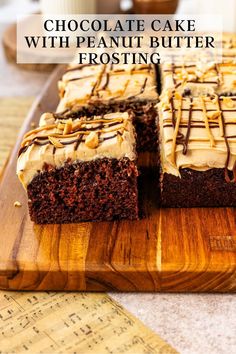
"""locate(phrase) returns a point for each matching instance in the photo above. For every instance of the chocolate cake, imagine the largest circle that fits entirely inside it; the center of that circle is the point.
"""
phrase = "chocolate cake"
(198, 150)
(99, 89)
(80, 163)
(79, 170)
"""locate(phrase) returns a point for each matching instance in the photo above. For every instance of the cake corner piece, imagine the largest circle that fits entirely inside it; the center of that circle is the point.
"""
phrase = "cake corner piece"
(198, 151)
(84, 171)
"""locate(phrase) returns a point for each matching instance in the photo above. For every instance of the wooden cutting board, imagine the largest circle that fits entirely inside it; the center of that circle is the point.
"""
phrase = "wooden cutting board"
(171, 250)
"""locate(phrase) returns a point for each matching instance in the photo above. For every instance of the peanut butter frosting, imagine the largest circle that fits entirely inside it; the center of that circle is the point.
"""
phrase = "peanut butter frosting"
(229, 45)
(200, 78)
(76, 73)
(110, 83)
(197, 133)
(54, 143)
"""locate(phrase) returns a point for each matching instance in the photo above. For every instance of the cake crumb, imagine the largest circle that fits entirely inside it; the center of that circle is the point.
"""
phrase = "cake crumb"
(33, 124)
(17, 204)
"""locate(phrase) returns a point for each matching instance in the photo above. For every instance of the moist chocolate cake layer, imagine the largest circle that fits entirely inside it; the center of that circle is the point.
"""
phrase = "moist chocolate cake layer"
(198, 189)
(101, 189)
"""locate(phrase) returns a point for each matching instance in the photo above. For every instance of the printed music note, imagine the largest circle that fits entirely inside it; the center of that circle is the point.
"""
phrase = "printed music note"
(72, 323)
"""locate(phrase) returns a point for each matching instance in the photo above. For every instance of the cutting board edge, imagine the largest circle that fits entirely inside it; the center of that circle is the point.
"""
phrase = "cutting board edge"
(168, 282)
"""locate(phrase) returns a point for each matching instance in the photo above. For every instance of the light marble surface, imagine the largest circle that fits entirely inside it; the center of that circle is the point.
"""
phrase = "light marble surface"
(192, 323)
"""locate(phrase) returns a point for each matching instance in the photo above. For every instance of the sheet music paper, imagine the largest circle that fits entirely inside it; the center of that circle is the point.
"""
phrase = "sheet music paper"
(51, 322)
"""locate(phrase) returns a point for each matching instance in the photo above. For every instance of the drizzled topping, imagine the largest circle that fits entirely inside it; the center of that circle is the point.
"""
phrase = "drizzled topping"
(105, 84)
(67, 132)
(206, 121)
(200, 79)
(204, 126)
(84, 139)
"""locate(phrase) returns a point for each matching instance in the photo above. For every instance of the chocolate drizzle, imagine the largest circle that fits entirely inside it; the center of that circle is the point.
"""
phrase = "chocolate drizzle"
(217, 76)
(80, 78)
(78, 67)
(207, 123)
(227, 178)
(185, 147)
(202, 82)
(103, 83)
(180, 136)
(102, 126)
(106, 82)
(77, 142)
(142, 89)
(212, 126)
(179, 67)
(173, 74)
(200, 110)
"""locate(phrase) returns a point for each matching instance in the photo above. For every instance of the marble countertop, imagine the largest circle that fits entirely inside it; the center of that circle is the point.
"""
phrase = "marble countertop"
(192, 323)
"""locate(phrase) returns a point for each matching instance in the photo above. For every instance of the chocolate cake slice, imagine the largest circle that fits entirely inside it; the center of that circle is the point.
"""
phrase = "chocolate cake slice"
(96, 89)
(197, 151)
(79, 170)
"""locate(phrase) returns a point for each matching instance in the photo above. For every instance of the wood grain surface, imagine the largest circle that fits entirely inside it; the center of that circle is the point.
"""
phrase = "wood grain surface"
(9, 41)
(172, 250)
